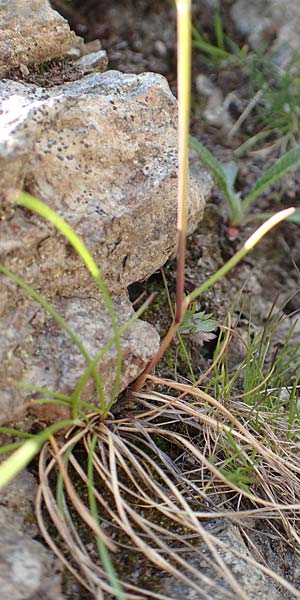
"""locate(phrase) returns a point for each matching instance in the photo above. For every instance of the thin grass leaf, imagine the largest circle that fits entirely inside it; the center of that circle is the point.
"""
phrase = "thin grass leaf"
(23, 456)
(211, 163)
(15, 432)
(103, 552)
(295, 218)
(42, 209)
(60, 482)
(107, 346)
(9, 447)
(62, 323)
(213, 51)
(282, 166)
(223, 181)
(218, 27)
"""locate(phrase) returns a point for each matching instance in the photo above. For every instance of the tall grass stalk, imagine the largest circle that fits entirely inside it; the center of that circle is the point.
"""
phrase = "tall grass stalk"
(184, 86)
(184, 79)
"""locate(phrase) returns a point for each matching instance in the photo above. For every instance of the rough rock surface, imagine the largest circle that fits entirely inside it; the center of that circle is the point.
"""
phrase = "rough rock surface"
(35, 350)
(17, 504)
(27, 569)
(251, 580)
(31, 32)
(261, 19)
(101, 151)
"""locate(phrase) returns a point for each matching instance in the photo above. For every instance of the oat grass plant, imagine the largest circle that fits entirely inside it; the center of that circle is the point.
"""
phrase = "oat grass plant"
(133, 493)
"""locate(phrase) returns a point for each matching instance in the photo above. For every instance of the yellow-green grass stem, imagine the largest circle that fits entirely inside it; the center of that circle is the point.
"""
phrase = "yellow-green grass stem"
(184, 84)
(15, 463)
(247, 246)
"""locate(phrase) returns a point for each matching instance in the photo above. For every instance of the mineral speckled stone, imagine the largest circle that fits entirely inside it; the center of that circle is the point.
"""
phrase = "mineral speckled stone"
(101, 151)
(31, 33)
(27, 569)
(38, 352)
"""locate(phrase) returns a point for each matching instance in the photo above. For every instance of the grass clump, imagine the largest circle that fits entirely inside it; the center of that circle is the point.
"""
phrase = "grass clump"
(277, 112)
(145, 480)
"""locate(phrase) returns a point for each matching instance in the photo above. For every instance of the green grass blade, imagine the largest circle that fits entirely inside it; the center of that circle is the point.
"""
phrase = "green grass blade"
(219, 175)
(41, 390)
(211, 163)
(15, 432)
(62, 323)
(56, 397)
(284, 164)
(42, 209)
(9, 447)
(23, 456)
(60, 481)
(218, 26)
(295, 218)
(107, 346)
(103, 552)
(201, 44)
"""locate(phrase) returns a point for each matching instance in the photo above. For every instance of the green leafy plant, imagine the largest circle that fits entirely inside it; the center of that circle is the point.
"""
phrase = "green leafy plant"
(195, 321)
(224, 176)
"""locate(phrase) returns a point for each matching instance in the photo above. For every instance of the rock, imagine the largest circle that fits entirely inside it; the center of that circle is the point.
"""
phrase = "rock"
(17, 504)
(110, 141)
(216, 111)
(251, 580)
(31, 32)
(102, 152)
(27, 569)
(44, 356)
(260, 20)
(94, 61)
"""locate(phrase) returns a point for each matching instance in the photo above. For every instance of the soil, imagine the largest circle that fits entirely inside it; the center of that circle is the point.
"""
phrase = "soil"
(138, 36)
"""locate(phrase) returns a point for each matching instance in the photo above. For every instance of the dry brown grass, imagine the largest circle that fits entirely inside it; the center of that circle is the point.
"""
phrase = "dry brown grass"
(159, 480)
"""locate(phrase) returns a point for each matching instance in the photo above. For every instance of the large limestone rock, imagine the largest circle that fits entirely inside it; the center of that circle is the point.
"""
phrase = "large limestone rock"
(102, 152)
(31, 32)
(35, 350)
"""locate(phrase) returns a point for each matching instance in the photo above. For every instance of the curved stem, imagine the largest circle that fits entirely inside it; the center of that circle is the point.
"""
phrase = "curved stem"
(248, 245)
